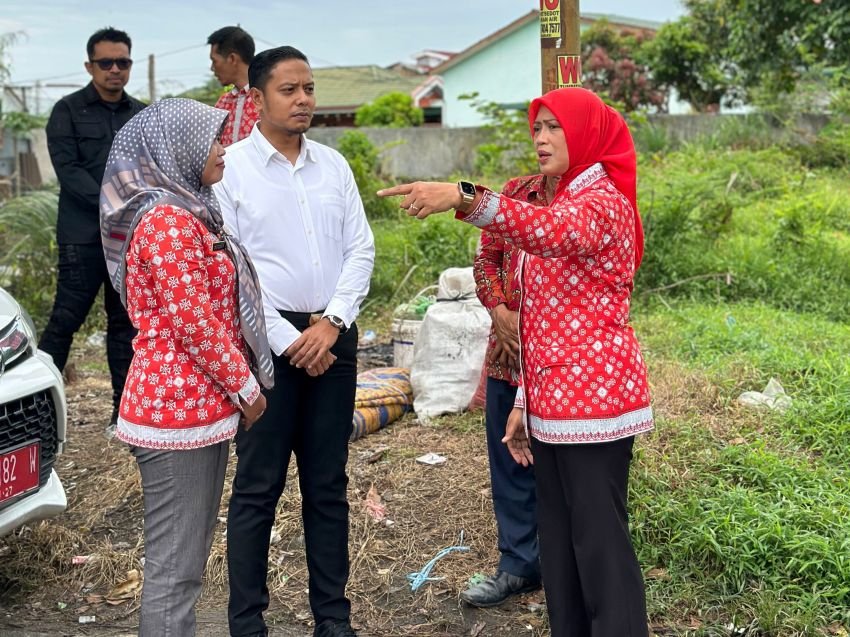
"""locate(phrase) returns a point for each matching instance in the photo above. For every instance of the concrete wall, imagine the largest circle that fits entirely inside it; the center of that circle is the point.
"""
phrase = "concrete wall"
(419, 153)
(422, 153)
(426, 152)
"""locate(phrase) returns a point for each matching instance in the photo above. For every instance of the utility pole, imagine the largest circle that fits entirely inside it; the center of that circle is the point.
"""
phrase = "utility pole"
(560, 44)
(151, 79)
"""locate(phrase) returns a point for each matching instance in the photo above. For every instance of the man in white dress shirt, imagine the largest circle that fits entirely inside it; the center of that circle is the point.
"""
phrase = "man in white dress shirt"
(295, 206)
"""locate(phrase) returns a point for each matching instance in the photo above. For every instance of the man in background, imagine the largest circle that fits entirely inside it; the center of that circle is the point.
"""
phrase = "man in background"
(231, 51)
(80, 131)
(496, 271)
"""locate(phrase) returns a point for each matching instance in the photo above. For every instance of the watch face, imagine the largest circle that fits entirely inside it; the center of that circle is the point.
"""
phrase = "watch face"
(467, 188)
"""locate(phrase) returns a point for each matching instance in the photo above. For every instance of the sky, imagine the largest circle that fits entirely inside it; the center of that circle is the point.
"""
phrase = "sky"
(53, 33)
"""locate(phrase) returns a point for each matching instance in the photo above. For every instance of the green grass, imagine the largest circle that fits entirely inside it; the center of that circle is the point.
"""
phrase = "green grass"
(777, 228)
(754, 531)
(410, 255)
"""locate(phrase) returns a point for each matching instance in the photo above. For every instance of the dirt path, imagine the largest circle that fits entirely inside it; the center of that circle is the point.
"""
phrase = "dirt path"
(43, 591)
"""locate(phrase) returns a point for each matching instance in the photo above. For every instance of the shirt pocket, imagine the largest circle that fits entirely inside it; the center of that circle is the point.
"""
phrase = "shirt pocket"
(332, 216)
(89, 129)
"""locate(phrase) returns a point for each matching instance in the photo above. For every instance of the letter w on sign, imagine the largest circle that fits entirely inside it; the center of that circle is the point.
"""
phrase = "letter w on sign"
(569, 70)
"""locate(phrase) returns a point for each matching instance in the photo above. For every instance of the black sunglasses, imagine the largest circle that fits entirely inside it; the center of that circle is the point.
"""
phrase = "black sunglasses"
(105, 64)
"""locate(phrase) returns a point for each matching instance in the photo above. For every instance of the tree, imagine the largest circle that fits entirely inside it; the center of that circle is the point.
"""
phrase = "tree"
(692, 56)
(774, 41)
(393, 110)
(207, 93)
(723, 50)
(7, 40)
(614, 66)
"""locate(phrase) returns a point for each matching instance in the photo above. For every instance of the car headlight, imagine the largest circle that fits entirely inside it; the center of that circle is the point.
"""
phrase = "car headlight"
(16, 339)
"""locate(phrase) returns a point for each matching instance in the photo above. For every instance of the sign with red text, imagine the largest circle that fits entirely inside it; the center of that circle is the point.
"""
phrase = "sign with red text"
(19, 471)
(569, 70)
(550, 19)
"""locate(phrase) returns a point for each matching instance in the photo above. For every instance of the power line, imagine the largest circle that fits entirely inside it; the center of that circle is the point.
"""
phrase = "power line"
(183, 50)
(312, 57)
(136, 64)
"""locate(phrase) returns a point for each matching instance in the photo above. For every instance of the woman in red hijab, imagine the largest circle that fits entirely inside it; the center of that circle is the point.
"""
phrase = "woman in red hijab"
(584, 387)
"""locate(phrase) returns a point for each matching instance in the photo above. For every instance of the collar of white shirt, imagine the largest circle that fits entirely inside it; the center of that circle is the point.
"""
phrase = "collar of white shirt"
(267, 151)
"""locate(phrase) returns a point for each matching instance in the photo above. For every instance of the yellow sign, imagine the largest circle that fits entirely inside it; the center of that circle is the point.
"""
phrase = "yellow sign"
(569, 70)
(550, 19)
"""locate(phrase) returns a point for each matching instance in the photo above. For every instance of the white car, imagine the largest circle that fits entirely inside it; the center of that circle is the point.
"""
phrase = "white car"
(32, 423)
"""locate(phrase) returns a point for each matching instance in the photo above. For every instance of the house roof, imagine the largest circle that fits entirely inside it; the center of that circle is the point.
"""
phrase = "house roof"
(344, 88)
(534, 15)
(622, 21)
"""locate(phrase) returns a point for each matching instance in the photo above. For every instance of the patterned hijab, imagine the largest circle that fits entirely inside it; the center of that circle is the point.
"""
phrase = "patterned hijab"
(595, 132)
(157, 158)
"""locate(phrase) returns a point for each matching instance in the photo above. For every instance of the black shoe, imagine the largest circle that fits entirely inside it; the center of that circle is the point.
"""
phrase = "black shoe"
(334, 628)
(496, 589)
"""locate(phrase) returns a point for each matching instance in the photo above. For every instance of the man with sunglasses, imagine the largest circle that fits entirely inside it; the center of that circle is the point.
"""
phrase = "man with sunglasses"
(79, 136)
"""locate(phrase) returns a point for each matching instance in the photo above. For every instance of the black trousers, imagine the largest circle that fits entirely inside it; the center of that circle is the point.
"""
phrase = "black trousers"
(514, 498)
(311, 417)
(593, 583)
(82, 272)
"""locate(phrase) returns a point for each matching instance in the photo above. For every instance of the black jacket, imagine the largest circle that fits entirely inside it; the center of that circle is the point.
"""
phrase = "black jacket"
(79, 135)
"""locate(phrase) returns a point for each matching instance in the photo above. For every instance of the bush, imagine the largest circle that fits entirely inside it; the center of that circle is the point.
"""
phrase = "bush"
(510, 151)
(28, 251)
(393, 110)
(411, 254)
(363, 158)
(830, 149)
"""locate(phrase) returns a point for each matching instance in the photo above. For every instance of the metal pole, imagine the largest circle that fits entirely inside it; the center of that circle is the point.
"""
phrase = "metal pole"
(151, 79)
(560, 44)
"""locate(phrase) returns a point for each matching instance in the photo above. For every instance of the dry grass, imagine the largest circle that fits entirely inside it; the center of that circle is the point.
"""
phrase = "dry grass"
(427, 508)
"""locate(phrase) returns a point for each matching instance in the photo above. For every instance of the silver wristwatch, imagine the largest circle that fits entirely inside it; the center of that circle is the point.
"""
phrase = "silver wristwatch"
(337, 322)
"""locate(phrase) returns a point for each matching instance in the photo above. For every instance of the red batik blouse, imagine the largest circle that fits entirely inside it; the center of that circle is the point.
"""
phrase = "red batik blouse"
(189, 364)
(583, 376)
(495, 266)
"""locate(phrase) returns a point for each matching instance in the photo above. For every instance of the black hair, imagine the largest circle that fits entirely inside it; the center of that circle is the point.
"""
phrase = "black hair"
(233, 40)
(108, 34)
(263, 63)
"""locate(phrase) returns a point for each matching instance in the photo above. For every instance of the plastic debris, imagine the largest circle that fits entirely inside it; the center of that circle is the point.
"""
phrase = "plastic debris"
(98, 339)
(773, 397)
(431, 458)
(376, 509)
(418, 579)
(87, 619)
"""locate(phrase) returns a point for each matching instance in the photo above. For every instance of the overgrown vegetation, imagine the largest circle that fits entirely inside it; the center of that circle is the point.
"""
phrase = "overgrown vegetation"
(742, 517)
(28, 251)
(365, 163)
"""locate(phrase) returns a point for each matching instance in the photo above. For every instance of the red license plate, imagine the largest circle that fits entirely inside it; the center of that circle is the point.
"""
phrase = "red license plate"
(19, 471)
